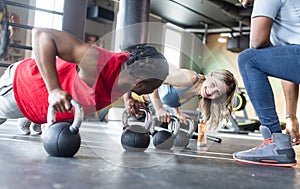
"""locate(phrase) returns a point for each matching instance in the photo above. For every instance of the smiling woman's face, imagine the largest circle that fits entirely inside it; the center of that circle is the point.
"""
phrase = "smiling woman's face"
(213, 88)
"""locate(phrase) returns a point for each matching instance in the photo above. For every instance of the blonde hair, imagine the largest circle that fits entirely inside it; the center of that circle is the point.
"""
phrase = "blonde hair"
(215, 110)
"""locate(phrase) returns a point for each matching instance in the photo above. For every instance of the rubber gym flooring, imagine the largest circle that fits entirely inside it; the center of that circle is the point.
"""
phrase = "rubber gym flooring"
(101, 162)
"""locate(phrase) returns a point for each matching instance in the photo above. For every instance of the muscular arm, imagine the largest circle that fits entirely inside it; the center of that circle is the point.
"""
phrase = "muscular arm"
(47, 44)
(291, 92)
(260, 32)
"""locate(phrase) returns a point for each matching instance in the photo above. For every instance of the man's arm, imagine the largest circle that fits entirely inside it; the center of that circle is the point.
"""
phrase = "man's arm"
(133, 103)
(260, 32)
(291, 92)
(47, 44)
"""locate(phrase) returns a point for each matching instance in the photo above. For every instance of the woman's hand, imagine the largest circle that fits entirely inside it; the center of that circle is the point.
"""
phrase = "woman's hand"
(181, 116)
(163, 115)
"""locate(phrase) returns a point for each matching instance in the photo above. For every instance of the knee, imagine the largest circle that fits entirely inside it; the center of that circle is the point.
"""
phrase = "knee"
(244, 58)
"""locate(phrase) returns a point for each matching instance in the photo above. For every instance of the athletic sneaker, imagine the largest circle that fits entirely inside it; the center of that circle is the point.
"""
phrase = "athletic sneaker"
(276, 150)
(35, 129)
(27, 127)
(24, 125)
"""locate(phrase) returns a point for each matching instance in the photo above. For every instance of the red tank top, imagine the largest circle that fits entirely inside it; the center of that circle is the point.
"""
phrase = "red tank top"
(32, 97)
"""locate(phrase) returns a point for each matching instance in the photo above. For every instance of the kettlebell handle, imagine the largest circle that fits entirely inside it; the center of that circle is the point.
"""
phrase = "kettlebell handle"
(191, 126)
(174, 120)
(78, 116)
(148, 119)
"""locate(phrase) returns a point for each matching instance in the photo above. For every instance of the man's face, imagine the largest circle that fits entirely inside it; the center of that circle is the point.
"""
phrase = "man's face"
(246, 3)
(145, 87)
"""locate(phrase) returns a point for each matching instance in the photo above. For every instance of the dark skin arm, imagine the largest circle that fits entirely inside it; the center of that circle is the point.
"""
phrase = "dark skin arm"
(47, 44)
(132, 105)
(291, 91)
(260, 32)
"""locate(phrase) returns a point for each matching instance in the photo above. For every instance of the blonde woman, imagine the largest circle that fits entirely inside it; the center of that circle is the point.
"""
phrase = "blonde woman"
(215, 91)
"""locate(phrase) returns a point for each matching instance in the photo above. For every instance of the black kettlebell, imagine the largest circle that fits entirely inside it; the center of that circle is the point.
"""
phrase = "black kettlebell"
(183, 136)
(136, 138)
(164, 138)
(62, 139)
(2, 121)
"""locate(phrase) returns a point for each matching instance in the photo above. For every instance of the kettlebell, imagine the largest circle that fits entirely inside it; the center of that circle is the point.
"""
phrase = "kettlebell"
(183, 136)
(2, 121)
(136, 138)
(62, 139)
(164, 138)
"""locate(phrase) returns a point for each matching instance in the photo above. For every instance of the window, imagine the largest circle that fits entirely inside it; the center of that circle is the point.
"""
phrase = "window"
(46, 19)
(172, 46)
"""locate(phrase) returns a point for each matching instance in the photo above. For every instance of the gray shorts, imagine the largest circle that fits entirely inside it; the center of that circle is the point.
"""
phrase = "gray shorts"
(8, 106)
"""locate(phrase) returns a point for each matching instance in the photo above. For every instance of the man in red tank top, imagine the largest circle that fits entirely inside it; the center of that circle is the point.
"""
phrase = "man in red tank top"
(66, 68)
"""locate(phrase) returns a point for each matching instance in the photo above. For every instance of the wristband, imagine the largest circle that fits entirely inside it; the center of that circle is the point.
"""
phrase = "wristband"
(291, 116)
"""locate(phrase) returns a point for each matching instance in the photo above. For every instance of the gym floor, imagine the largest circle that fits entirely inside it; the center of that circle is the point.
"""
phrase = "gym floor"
(101, 162)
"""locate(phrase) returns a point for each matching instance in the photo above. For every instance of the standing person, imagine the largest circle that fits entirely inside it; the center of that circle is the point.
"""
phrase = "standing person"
(275, 47)
(66, 68)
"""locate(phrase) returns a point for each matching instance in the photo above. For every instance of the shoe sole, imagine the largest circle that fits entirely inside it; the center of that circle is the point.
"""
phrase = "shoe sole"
(275, 163)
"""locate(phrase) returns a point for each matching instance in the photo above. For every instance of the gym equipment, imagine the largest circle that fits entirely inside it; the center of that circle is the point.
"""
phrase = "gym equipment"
(5, 33)
(136, 138)
(244, 123)
(241, 125)
(133, 19)
(62, 139)
(239, 101)
(164, 139)
(183, 136)
(2, 121)
(3, 10)
(208, 137)
(4, 29)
